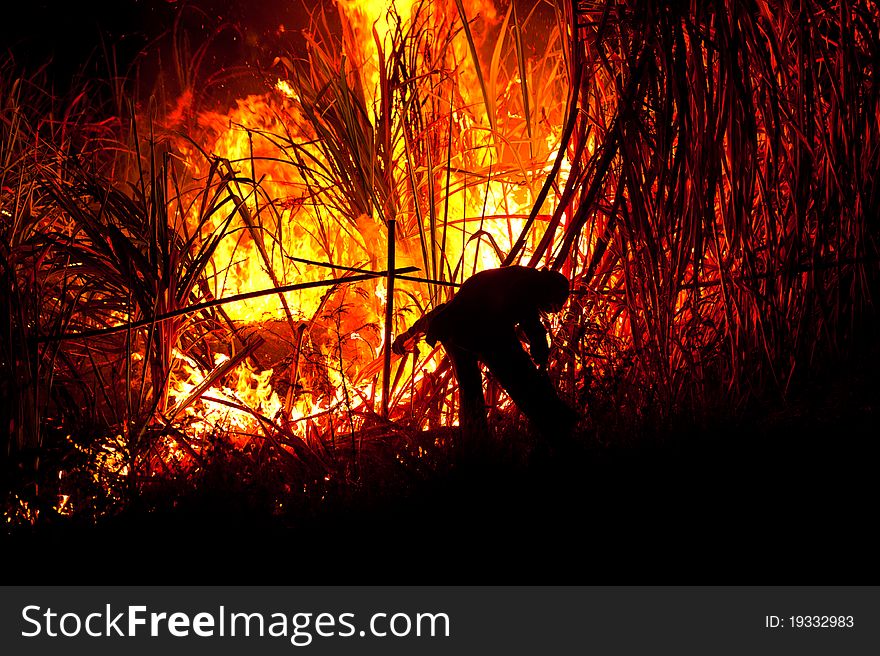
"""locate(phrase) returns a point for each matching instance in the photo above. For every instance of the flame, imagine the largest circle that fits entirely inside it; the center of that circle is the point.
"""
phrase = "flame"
(363, 18)
(467, 187)
(233, 405)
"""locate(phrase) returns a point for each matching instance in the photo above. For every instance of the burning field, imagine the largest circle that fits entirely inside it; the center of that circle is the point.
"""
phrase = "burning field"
(204, 260)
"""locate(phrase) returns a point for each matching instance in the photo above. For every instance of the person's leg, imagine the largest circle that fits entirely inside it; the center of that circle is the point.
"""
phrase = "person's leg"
(472, 403)
(530, 389)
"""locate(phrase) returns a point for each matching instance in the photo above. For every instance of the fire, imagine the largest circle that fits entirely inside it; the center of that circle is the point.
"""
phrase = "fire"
(459, 189)
(365, 18)
(232, 405)
(218, 279)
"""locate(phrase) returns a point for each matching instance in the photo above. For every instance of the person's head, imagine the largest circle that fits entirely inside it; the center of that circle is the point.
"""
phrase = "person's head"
(554, 291)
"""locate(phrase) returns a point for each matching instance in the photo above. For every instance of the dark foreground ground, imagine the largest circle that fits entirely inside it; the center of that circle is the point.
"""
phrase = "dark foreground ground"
(785, 493)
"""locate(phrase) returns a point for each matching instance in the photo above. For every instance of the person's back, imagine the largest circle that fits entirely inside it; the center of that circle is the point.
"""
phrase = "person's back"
(490, 304)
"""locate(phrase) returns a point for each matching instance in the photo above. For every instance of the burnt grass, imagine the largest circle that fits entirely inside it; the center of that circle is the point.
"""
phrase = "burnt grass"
(780, 492)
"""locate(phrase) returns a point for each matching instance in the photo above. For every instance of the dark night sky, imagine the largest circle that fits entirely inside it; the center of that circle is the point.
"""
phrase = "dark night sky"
(69, 32)
(73, 35)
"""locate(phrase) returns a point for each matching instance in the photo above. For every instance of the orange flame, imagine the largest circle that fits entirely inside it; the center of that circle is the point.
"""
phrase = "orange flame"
(469, 196)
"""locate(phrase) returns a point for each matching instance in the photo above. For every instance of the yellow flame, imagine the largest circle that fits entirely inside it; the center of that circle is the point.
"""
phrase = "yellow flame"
(481, 198)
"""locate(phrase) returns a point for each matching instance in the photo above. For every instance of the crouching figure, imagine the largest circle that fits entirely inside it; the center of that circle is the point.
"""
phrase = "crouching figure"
(479, 325)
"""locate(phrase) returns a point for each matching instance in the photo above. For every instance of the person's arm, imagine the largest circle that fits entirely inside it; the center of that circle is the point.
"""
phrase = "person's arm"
(537, 336)
(405, 342)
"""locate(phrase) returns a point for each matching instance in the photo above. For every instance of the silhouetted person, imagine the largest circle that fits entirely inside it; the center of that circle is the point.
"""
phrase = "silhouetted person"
(479, 325)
